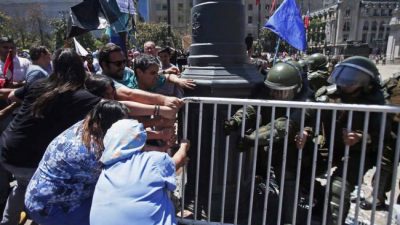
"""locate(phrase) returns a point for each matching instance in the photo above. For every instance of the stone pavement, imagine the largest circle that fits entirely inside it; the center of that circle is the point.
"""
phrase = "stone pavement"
(388, 70)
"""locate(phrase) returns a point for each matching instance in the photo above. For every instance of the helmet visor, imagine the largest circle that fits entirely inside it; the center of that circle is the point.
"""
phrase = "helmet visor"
(346, 76)
(282, 94)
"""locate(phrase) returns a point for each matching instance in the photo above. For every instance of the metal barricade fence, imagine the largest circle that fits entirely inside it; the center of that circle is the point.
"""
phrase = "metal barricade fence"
(227, 186)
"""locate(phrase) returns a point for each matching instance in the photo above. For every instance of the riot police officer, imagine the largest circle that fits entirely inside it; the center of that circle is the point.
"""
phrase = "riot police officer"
(318, 71)
(283, 82)
(357, 81)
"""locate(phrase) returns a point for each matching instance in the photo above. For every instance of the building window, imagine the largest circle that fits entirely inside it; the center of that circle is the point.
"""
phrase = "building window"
(364, 38)
(382, 26)
(345, 37)
(375, 12)
(250, 20)
(374, 26)
(366, 25)
(180, 7)
(380, 36)
(250, 7)
(158, 7)
(346, 26)
(384, 12)
(164, 7)
(165, 19)
(159, 19)
(372, 38)
(390, 12)
(180, 19)
(347, 13)
(366, 12)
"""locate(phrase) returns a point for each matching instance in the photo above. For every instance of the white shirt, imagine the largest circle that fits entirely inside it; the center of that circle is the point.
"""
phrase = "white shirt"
(20, 67)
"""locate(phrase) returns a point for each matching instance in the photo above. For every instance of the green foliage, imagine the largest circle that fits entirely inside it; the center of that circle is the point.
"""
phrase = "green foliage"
(4, 23)
(316, 31)
(157, 33)
(268, 41)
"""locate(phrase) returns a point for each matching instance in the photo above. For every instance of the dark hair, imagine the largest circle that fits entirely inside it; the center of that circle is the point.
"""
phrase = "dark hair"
(98, 121)
(68, 75)
(97, 84)
(105, 52)
(144, 61)
(36, 51)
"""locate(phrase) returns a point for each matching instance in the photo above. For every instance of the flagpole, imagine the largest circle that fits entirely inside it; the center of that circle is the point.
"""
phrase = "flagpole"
(276, 49)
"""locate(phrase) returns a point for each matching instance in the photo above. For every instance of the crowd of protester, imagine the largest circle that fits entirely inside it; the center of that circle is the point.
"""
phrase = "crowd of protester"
(73, 125)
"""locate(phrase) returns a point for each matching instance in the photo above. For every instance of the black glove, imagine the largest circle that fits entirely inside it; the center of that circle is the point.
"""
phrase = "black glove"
(229, 126)
(245, 143)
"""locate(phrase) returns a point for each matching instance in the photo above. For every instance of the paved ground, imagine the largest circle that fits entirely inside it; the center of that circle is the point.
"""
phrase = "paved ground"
(388, 70)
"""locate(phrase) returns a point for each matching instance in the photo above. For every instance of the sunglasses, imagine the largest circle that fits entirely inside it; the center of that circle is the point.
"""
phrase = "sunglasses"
(118, 63)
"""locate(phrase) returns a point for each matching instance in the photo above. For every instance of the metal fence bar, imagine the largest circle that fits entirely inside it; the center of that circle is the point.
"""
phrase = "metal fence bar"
(282, 183)
(345, 166)
(212, 162)
(315, 152)
(378, 166)
(297, 104)
(270, 149)
(254, 166)
(239, 172)
(298, 171)
(185, 119)
(394, 174)
(227, 139)
(362, 162)
(196, 200)
(329, 170)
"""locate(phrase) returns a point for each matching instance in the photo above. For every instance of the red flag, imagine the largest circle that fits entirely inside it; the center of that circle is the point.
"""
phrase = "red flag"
(273, 6)
(307, 20)
(9, 66)
(257, 2)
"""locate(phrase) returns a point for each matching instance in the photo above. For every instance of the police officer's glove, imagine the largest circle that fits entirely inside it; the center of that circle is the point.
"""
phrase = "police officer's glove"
(229, 126)
(245, 143)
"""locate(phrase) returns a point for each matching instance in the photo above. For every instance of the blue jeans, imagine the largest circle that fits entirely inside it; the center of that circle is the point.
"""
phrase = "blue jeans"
(15, 202)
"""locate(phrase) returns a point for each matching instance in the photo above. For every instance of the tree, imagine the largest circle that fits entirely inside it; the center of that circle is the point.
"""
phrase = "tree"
(4, 24)
(157, 33)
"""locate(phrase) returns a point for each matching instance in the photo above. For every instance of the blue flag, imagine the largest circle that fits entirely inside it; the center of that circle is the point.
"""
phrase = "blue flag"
(287, 23)
(143, 8)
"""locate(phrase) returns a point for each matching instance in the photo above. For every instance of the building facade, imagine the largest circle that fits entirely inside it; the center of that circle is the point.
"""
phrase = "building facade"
(393, 46)
(50, 8)
(358, 21)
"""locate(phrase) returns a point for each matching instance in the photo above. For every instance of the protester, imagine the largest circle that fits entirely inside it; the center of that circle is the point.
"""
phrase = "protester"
(61, 189)
(127, 82)
(142, 196)
(20, 65)
(41, 58)
(49, 106)
(91, 64)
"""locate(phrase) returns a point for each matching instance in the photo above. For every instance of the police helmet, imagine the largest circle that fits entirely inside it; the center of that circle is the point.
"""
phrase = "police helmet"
(355, 71)
(317, 61)
(304, 65)
(284, 81)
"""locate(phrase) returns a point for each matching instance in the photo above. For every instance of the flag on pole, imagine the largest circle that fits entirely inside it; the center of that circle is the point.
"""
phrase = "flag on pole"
(8, 69)
(79, 49)
(307, 19)
(143, 8)
(287, 23)
(98, 14)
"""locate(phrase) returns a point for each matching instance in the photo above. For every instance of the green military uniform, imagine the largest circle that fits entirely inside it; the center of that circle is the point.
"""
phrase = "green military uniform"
(361, 73)
(284, 82)
(318, 71)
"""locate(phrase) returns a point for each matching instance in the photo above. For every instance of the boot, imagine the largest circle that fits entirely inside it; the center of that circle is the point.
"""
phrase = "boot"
(334, 206)
(381, 197)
